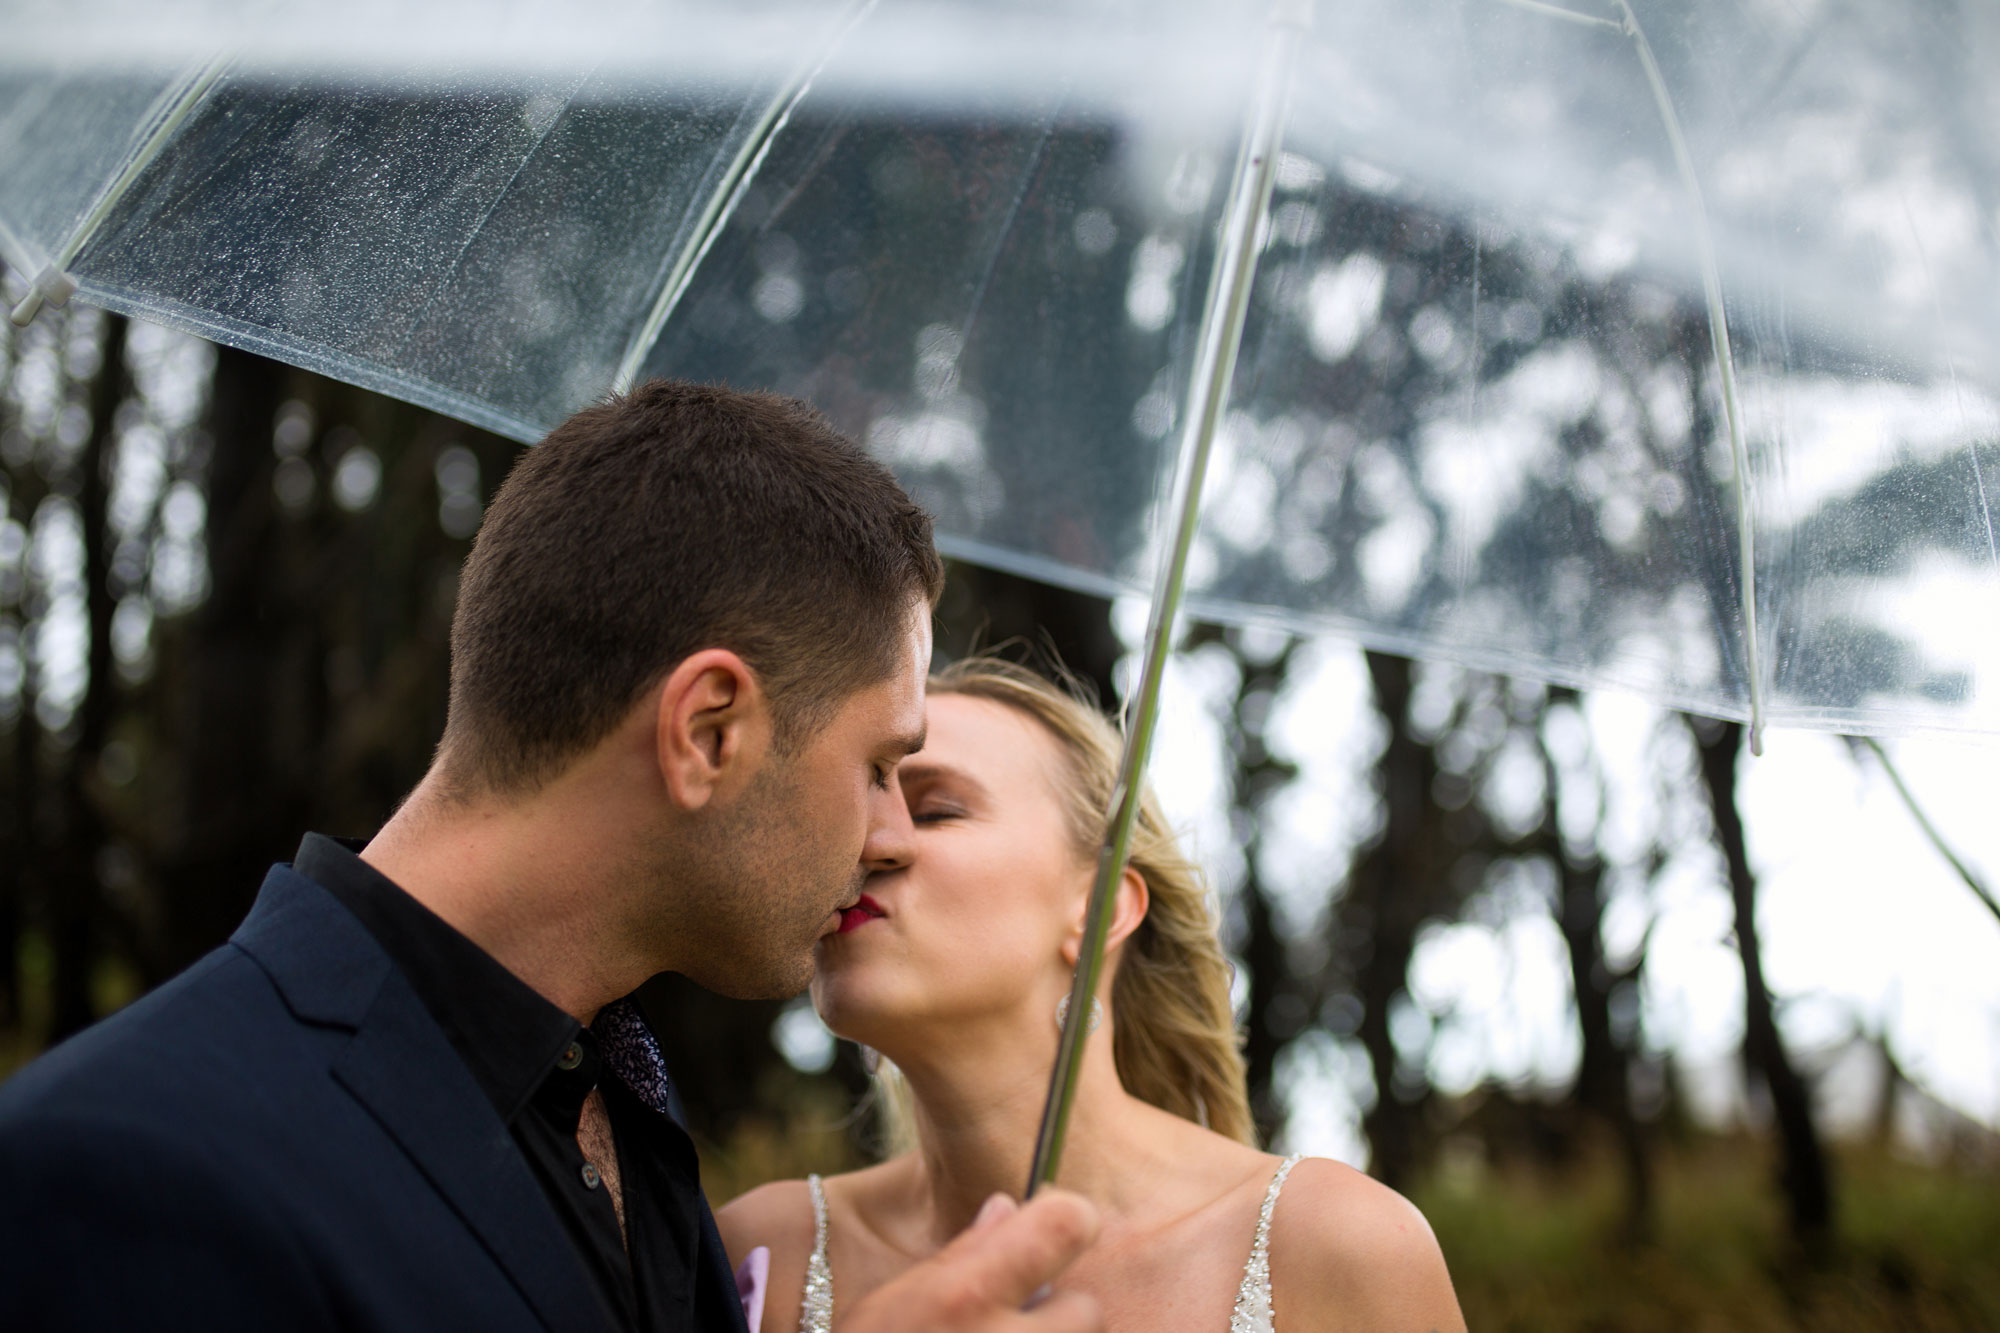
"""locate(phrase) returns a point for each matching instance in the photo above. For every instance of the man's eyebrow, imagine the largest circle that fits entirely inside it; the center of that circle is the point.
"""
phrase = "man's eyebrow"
(908, 744)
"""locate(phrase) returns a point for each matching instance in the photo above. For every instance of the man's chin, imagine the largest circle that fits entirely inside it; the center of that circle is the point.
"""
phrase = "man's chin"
(779, 979)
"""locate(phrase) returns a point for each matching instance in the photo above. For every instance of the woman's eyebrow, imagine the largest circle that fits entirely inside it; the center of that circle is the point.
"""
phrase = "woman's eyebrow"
(924, 769)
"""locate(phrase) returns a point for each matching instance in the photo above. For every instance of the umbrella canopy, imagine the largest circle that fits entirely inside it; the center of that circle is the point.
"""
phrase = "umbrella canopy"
(1650, 347)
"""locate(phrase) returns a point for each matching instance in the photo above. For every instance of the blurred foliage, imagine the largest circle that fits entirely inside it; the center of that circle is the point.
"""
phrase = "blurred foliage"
(1531, 1252)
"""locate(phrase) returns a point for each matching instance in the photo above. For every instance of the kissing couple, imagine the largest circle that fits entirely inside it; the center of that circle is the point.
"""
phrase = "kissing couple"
(692, 729)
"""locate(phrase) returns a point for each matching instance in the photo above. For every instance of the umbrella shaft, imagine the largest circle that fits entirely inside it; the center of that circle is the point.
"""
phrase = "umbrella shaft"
(1221, 332)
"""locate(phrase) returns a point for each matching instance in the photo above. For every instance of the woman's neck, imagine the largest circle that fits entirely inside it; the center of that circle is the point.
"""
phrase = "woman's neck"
(978, 1108)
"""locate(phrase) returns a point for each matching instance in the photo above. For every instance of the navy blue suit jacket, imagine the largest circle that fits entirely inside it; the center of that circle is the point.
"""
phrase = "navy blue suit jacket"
(280, 1138)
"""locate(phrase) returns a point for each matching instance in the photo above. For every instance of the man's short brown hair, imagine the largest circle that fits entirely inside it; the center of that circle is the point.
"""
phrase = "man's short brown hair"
(675, 518)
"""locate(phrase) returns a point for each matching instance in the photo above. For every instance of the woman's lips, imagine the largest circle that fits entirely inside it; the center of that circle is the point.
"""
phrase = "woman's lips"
(865, 909)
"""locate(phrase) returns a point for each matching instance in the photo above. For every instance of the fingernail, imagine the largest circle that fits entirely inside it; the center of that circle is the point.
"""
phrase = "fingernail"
(992, 1211)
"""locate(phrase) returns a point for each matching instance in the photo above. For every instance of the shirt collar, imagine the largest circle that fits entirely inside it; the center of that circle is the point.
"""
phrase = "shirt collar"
(509, 1036)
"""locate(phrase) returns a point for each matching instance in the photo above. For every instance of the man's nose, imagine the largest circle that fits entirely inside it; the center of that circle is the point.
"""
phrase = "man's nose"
(891, 840)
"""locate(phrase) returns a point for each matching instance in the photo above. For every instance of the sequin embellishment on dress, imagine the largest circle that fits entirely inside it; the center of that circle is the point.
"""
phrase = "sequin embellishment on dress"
(816, 1313)
(1253, 1312)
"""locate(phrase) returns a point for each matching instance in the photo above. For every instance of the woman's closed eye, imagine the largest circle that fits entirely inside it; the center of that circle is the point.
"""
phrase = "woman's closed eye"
(935, 812)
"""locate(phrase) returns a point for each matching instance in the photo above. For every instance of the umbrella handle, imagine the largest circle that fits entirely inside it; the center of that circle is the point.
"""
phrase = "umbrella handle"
(1220, 334)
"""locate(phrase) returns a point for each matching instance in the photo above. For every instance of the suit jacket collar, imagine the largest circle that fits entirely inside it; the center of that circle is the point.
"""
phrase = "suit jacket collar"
(400, 1066)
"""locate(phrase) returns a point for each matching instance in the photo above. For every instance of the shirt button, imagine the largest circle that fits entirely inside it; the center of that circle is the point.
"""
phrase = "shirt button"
(571, 1057)
(591, 1180)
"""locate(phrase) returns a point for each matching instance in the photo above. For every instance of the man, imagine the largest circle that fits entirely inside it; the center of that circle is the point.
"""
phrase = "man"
(688, 652)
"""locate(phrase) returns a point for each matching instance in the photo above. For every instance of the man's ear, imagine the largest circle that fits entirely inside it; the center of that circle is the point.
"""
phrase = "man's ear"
(1128, 910)
(712, 726)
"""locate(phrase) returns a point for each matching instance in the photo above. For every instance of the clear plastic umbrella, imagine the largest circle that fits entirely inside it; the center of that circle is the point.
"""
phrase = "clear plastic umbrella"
(1650, 345)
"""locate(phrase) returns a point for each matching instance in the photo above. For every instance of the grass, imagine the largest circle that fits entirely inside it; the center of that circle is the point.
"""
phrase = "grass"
(1917, 1248)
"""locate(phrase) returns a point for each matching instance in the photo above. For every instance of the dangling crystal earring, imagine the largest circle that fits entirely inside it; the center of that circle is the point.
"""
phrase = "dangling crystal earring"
(1096, 1012)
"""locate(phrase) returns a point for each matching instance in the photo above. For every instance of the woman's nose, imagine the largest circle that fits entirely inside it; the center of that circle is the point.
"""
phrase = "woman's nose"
(891, 840)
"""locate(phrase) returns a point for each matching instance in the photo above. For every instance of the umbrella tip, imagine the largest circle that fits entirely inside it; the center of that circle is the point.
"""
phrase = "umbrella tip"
(51, 286)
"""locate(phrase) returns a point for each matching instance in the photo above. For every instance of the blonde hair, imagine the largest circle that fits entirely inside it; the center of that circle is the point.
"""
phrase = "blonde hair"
(1174, 1035)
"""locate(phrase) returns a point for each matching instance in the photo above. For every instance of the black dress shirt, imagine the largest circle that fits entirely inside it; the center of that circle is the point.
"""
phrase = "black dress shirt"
(537, 1065)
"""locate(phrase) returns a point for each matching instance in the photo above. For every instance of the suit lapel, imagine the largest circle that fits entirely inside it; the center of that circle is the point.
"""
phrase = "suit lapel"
(401, 1068)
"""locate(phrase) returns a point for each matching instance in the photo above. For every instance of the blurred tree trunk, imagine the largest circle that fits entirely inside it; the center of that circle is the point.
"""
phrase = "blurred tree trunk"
(1386, 902)
(20, 853)
(1278, 1009)
(23, 866)
(73, 890)
(985, 607)
(1804, 1174)
(1604, 1072)
(233, 818)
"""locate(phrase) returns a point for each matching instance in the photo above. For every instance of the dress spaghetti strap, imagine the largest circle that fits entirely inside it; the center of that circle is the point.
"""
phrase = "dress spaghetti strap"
(1253, 1313)
(816, 1311)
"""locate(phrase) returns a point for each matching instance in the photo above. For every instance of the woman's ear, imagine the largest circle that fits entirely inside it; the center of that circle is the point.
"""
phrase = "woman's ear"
(712, 727)
(1128, 910)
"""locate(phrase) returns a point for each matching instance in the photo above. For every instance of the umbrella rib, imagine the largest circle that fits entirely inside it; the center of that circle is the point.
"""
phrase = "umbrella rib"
(53, 284)
(1725, 362)
(1930, 830)
(1718, 335)
(1220, 335)
(722, 203)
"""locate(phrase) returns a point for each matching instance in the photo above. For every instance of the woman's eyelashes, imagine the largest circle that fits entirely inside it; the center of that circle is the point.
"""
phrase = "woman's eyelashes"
(933, 811)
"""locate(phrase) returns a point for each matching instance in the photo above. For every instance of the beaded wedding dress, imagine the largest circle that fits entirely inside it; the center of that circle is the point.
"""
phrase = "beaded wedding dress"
(1253, 1296)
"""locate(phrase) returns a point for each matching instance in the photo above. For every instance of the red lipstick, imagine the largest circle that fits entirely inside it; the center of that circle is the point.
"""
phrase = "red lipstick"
(865, 909)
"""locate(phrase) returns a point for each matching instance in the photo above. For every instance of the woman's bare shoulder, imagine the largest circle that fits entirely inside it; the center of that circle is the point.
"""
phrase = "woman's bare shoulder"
(1348, 1252)
(779, 1217)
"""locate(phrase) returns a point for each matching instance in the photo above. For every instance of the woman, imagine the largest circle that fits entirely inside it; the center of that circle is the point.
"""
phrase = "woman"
(953, 968)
